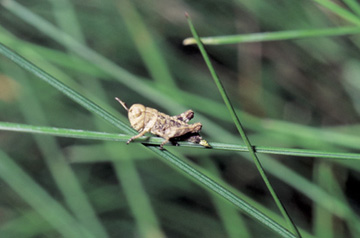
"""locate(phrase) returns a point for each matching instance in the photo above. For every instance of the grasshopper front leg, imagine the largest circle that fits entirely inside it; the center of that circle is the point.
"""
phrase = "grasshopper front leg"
(137, 136)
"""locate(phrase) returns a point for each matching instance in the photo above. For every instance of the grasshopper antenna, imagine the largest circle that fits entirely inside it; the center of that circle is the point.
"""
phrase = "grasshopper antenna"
(122, 104)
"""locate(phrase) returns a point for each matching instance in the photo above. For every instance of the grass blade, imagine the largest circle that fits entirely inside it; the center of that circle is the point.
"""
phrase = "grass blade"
(136, 196)
(273, 36)
(353, 5)
(94, 135)
(241, 130)
(146, 45)
(345, 14)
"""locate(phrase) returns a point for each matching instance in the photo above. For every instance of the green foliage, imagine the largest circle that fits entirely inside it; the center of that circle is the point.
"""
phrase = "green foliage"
(298, 96)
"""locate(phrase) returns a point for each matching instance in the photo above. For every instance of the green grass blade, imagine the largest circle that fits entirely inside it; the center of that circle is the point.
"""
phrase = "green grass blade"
(93, 135)
(241, 130)
(67, 19)
(26, 226)
(40, 200)
(136, 196)
(62, 132)
(345, 14)
(146, 45)
(323, 218)
(353, 5)
(273, 36)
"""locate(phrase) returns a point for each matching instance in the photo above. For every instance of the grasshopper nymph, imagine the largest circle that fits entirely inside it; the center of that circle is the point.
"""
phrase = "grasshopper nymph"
(147, 119)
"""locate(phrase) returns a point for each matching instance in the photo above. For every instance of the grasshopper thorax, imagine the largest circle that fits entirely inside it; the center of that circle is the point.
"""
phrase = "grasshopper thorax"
(137, 116)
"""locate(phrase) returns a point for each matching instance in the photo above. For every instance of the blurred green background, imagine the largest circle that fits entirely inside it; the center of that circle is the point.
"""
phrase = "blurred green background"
(300, 93)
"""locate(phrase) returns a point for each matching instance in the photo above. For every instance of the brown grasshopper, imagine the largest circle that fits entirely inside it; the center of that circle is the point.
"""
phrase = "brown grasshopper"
(147, 119)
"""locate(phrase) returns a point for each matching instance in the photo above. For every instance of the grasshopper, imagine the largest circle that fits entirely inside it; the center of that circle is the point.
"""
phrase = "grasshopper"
(147, 119)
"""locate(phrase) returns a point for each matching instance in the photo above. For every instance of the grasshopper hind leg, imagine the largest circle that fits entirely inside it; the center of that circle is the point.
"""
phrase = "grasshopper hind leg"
(185, 116)
(164, 142)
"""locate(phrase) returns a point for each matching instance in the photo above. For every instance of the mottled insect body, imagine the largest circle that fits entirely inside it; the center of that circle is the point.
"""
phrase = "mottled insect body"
(147, 119)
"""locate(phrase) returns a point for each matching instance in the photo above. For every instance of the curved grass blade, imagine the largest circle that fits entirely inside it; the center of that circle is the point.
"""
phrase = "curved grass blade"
(241, 130)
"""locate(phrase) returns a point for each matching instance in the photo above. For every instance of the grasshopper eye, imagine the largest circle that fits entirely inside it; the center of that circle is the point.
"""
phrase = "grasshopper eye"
(136, 112)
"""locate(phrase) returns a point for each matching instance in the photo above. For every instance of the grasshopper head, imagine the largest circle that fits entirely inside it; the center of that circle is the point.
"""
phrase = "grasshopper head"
(137, 116)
